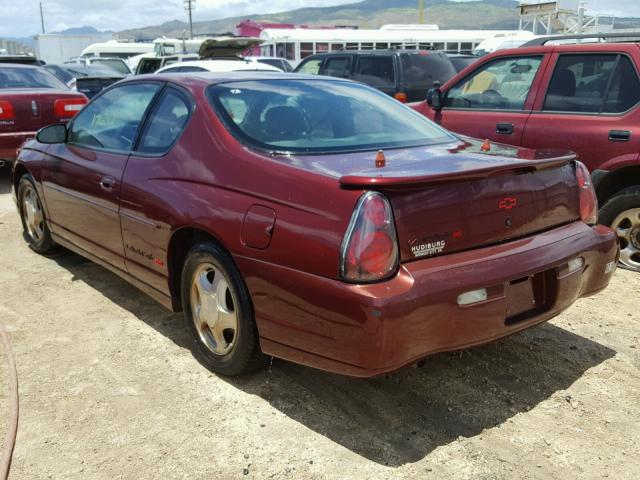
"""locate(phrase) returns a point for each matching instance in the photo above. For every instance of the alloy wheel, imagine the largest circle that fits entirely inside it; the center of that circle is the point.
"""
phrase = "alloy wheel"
(33, 215)
(627, 226)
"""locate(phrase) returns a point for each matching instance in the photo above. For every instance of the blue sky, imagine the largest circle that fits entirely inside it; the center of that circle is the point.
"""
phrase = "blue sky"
(122, 14)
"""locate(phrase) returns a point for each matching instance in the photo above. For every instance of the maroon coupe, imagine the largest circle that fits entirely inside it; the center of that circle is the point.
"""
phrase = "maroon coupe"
(31, 98)
(313, 219)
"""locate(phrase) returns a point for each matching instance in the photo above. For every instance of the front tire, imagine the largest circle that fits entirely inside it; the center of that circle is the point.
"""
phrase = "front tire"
(622, 213)
(218, 312)
(34, 221)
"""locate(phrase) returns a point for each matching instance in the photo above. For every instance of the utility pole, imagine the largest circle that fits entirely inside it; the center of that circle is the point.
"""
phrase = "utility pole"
(42, 18)
(189, 5)
(421, 12)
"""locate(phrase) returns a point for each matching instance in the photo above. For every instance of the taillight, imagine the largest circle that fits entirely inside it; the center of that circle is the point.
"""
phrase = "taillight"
(68, 107)
(588, 199)
(370, 248)
(6, 110)
(401, 97)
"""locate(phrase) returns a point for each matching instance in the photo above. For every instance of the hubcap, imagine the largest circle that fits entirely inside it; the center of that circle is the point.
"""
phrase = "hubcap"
(627, 226)
(32, 212)
(213, 309)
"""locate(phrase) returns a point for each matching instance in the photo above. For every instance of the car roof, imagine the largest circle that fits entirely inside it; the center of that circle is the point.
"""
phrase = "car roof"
(222, 65)
(19, 65)
(212, 78)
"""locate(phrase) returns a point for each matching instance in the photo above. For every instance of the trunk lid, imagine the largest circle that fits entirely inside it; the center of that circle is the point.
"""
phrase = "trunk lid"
(34, 108)
(455, 197)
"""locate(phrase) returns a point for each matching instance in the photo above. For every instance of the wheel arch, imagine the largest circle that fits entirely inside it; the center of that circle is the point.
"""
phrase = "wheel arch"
(180, 243)
(614, 181)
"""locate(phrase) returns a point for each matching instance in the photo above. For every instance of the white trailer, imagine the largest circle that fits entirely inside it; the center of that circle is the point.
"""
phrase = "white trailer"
(57, 48)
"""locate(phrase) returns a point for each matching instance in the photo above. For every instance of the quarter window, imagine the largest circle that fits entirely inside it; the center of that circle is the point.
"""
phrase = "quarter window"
(499, 85)
(111, 121)
(165, 124)
(592, 84)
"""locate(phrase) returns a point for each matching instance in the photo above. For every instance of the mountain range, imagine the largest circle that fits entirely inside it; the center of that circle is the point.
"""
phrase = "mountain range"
(487, 14)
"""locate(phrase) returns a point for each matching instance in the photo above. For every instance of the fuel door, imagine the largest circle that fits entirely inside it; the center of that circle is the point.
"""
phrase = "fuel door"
(257, 229)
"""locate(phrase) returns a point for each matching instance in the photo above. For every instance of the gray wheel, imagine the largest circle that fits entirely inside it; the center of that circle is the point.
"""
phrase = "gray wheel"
(627, 226)
(219, 313)
(622, 213)
(33, 218)
(213, 309)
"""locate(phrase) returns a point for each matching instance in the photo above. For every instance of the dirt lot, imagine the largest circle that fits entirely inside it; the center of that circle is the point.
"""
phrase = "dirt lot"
(109, 390)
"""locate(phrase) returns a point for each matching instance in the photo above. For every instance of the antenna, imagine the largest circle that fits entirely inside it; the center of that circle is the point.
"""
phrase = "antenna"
(42, 18)
(189, 5)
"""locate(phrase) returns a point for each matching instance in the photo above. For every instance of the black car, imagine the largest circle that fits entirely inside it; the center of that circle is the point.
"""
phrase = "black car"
(404, 74)
(461, 61)
(21, 59)
(87, 79)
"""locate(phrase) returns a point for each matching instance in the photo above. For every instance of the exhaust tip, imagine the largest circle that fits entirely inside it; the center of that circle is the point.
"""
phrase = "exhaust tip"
(2, 163)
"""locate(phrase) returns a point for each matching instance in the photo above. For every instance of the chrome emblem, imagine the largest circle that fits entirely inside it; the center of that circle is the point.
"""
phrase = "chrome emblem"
(34, 108)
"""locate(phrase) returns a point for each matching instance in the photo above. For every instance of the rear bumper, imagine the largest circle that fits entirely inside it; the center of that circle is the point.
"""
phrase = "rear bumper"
(10, 142)
(366, 330)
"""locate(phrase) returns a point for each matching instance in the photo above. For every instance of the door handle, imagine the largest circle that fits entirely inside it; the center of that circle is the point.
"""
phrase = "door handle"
(504, 128)
(107, 183)
(619, 135)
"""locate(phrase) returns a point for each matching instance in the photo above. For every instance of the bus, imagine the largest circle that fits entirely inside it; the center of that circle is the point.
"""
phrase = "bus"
(297, 43)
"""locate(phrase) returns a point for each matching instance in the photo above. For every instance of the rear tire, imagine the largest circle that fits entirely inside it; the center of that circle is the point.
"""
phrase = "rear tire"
(34, 221)
(622, 213)
(218, 312)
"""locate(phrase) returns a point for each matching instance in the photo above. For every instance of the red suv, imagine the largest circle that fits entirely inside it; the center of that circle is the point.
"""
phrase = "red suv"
(583, 97)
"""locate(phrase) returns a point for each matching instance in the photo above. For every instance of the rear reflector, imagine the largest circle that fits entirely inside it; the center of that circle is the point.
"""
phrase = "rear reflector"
(6, 110)
(474, 296)
(68, 107)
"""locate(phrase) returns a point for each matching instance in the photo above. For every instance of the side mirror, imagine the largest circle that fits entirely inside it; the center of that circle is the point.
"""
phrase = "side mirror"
(434, 98)
(52, 134)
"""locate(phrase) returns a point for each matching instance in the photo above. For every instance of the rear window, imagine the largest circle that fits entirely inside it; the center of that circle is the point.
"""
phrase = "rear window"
(28, 78)
(316, 116)
(422, 69)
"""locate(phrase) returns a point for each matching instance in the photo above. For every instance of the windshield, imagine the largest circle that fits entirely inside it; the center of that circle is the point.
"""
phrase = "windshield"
(28, 78)
(316, 116)
(113, 63)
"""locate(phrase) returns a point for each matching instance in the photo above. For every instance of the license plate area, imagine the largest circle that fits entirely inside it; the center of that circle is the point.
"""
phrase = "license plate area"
(528, 296)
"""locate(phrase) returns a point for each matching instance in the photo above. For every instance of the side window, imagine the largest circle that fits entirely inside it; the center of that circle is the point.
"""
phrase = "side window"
(624, 92)
(191, 69)
(311, 67)
(503, 84)
(337, 67)
(112, 120)
(165, 124)
(375, 71)
(579, 83)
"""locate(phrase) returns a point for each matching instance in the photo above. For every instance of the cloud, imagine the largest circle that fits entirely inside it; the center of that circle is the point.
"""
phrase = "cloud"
(24, 17)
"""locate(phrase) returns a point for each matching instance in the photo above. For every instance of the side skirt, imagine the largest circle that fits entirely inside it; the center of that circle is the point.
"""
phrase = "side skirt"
(163, 299)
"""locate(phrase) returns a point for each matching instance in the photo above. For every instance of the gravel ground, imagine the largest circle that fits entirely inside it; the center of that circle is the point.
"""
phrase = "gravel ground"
(108, 390)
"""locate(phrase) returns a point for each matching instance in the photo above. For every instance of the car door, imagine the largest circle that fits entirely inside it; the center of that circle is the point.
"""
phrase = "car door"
(144, 209)
(589, 106)
(82, 177)
(494, 101)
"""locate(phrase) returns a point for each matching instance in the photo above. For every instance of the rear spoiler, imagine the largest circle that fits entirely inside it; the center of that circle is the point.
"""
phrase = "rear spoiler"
(518, 167)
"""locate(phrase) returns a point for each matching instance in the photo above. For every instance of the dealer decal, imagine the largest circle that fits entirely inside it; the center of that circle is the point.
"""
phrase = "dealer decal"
(428, 249)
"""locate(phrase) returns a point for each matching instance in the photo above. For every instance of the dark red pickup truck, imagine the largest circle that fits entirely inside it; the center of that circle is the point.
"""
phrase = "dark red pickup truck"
(581, 97)
(31, 98)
